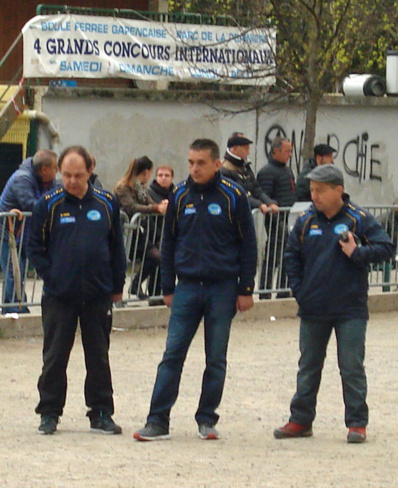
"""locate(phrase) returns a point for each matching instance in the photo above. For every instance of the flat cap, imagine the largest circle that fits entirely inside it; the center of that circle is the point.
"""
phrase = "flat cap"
(327, 173)
(323, 149)
(238, 141)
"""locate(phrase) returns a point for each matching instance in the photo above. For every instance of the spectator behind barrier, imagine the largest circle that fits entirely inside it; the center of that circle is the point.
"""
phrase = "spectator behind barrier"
(237, 167)
(323, 154)
(94, 178)
(277, 181)
(133, 197)
(35, 176)
(162, 185)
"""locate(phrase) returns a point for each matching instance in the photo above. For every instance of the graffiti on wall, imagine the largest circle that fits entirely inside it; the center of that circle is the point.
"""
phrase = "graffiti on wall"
(358, 155)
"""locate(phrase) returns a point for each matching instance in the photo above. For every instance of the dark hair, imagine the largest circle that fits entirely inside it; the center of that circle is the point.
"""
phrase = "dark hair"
(81, 151)
(277, 143)
(136, 166)
(141, 164)
(236, 134)
(201, 144)
(43, 157)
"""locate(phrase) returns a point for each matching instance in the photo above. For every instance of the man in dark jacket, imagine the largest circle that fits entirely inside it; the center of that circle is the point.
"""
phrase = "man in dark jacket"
(236, 167)
(35, 176)
(162, 185)
(209, 244)
(76, 246)
(323, 154)
(277, 181)
(327, 259)
(159, 191)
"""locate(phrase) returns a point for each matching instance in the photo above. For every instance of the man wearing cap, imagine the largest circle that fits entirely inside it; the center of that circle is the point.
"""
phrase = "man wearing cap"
(327, 259)
(236, 167)
(323, 154)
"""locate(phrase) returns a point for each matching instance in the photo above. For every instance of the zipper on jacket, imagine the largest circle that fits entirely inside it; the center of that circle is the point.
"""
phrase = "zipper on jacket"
(201, 233)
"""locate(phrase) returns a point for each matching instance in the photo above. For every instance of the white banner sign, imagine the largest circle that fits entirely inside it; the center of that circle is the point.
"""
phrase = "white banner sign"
(77, 46)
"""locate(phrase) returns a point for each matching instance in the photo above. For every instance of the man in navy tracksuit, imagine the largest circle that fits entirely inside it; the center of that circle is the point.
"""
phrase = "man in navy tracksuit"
(76, 246)
(209, 244)
(327, 260)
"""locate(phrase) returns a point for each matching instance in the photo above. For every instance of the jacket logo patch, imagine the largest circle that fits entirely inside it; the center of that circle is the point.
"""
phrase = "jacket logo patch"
(67, 220)
(190, 211)
(214, 209)
(340, 228)
(316, 232)
(94, 215)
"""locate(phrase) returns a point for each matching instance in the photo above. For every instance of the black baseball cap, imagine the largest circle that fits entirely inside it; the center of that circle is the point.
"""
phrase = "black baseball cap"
(327, 173)
(323, 150)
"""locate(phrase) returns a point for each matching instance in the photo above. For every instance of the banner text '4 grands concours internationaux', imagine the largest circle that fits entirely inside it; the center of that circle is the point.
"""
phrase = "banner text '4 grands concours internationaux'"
(76, 46)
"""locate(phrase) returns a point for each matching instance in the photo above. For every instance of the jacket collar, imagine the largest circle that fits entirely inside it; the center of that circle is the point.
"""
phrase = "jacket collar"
(236, 160)
(87, 196)
(159, 189)
(207, 186)
(274, 162)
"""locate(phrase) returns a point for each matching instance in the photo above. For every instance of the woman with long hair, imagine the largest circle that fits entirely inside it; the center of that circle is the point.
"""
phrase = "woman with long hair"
(133, 197)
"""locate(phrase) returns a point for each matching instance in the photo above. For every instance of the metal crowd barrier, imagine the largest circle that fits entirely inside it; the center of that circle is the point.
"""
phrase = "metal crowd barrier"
(18, 289)
(143, 237)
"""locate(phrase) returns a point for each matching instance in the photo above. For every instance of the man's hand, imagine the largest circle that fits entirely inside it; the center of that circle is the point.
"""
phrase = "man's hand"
(244, 302)
(168, 300)
(162, 207)
(263, 208)
(117, 297)
(274, 208)
(349, 246)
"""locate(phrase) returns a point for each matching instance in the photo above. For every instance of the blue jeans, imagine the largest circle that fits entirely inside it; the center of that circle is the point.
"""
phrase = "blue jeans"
(314, 338)
(8, 294)
(216, 304)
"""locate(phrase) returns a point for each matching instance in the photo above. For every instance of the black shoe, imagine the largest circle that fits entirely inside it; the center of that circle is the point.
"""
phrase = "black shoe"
(137, 290)
(48, 424)
(155, 302)
(265, 296)
(104, 424)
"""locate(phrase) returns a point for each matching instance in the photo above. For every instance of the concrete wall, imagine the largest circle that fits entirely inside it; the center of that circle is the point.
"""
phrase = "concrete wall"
(149, 317)
(118, 125)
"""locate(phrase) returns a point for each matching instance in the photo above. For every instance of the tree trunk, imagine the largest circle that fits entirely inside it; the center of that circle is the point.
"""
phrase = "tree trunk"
(311, 109)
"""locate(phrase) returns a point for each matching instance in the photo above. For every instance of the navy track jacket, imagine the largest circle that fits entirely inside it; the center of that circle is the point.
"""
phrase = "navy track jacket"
(76, 245)
(328, 284)
(209, 235)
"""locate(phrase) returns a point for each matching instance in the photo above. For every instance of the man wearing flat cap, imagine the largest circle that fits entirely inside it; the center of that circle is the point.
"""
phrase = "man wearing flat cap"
(236, 167)
(323, 154)
(327, 258)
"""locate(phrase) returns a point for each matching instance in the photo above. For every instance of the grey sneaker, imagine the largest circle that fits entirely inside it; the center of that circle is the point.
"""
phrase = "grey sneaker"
(208, 432)
(105, 425)
(48, 424)
(152, 432)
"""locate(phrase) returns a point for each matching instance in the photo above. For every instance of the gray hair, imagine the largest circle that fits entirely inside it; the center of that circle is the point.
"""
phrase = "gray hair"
(277, 143)
(43, 157)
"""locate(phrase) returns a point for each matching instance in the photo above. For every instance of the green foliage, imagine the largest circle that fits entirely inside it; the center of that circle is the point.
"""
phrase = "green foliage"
(319, 42)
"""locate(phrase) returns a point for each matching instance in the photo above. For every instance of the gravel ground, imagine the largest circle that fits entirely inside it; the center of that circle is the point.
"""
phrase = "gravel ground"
(261, 380)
